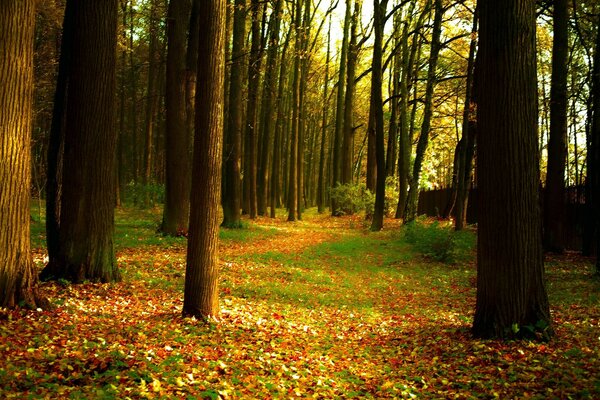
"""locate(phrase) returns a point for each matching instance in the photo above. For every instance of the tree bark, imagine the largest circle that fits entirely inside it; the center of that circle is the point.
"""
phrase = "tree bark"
(178, 180)
(232, 198)
(18, 280)
(594, 149)
(511, 293)
(88, 199)
(201, 296)
(379, 9)
(322, 169)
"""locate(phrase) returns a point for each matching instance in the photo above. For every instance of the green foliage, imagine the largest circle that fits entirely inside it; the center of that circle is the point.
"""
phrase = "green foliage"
(353, 198)
(144, 196)
(438, 242)
(391, 195)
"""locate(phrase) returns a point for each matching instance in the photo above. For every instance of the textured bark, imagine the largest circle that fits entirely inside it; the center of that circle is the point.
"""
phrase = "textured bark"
(413, 193)
(201, 295)
(554, 200)
(379, 8)
(511, 294)
(322, 169)
(178, 180)
(17, 272)
(594, 149)
(88, 199)
(232, 198)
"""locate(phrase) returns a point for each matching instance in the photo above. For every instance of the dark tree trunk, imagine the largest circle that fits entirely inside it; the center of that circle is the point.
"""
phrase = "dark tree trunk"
(322, 176)
(339, 111)
(594, 149)
(413, 194)
(18, 280)
(88, 199)
(467, 146)
(201, 295)
(177, 185)
(379, 9)
(232, 198)
(511, 293)
(56, 139)
(554, 201)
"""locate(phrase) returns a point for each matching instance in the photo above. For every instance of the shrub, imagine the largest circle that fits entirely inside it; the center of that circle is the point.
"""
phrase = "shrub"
(440, 243)
(352, 198)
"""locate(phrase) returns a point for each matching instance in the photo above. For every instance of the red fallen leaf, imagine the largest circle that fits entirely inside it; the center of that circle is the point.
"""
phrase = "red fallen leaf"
(278, 316)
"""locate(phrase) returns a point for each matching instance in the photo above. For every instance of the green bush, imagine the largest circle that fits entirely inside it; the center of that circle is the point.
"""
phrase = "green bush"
(391, 196)
(440, 243)
(352, 198)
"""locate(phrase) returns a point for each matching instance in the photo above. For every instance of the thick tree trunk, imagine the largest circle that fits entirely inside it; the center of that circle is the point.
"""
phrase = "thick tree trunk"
(201, 295)
(594, 149)
(554, 201)
(177, 185)
(18, 279)
(379, 8)
(413, 194)
(232, 198)
(88, 199)
(511, 293)
(322, 169)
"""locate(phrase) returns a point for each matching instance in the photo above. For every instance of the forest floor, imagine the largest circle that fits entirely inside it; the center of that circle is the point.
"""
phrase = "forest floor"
(320, 308)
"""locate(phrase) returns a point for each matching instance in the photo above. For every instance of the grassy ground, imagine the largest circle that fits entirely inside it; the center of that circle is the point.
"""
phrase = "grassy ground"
(318, 308)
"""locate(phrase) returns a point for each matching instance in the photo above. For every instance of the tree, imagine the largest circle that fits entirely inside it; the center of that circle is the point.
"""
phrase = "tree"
(232, 198)
(511, 293)
(594, 149)
(201, 277)
(379, 9)
(177, 188)
(88, 196)
(17, 271)
(554, 201)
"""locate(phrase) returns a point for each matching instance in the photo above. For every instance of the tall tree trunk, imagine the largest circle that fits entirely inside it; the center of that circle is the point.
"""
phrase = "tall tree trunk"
(56, 139)
(133, 81)
(152, 97)
(413, 194)
(348, 129)
(293, 167)
(322, 169)
(405, 132)
(251, 128)
(267, 120)
(18, 280)
(379, 9)
(594, 149)
(201, 294)
(339, 111)
(232, 198)
(554, 195)
(87, 206)
(511, 293)
(467, 142)
(178, 180)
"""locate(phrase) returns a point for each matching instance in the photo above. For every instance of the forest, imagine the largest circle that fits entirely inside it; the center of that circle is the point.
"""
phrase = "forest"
(299, 198)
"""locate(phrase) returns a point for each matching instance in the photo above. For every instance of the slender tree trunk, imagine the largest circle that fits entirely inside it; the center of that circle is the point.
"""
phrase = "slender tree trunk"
(379, 9)
(339, 112)
(178, 180)
(554, 200)
(594, 149)
(18, 280)
(232, 198)
(293, 167)
(251, 128)
(86, 244)
(413, 194)
(267, 120)
(322, 169)
(348, 129)
(511, 294)
(133, 81)
(201, 294)
(467, 149)
(56, 139)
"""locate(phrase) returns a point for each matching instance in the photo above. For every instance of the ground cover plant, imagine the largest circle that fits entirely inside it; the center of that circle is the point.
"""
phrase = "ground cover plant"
(316, 308)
